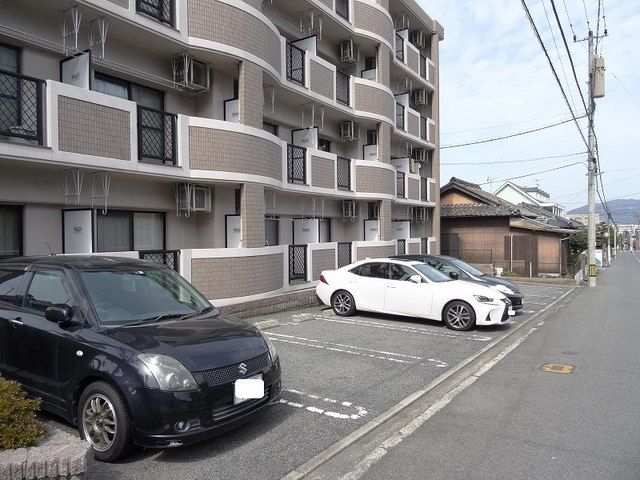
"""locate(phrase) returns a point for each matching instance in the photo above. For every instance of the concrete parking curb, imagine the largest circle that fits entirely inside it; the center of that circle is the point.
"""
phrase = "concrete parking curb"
(308, 467)
(266, 324)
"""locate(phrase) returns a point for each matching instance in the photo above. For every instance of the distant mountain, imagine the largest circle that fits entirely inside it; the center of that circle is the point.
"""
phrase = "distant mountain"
(623, 211)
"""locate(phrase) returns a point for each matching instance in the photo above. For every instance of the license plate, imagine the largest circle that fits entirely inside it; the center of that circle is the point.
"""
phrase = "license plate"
(511, 312)
(248, 389)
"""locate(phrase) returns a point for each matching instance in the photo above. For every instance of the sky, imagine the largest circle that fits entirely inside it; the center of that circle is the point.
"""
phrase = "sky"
(495, 81)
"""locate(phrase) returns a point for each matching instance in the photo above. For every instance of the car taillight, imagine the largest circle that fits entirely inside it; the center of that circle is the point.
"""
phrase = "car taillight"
(323, 280)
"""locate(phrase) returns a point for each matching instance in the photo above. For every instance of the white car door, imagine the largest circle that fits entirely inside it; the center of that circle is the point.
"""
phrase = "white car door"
(367, 284)
(404, 297)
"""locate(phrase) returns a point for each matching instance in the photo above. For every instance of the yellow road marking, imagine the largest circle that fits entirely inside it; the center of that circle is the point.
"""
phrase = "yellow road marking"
(557, 368)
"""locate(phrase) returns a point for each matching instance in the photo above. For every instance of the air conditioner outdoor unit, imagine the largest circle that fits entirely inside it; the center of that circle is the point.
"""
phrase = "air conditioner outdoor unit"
(349, 51)
(420, 96)
(349, 131)
(418, 38)
(419, 155)
(349, 210)
(414, 166)
(194, 198)
(189, 73)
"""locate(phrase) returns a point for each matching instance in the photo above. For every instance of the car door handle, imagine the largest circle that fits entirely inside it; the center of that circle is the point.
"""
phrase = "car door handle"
(16, 322)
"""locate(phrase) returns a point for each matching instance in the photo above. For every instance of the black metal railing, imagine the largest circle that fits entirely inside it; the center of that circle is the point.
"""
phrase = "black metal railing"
(342, 8)
(162, 10)
(163, 257)
(297, 262)
(343, 173)
(423, 246)
(157, 135)
(423, 128)
(402, 246)
(423, 66)
(424, 191)
(21, 107)
(295, 64)
(344, 254)
(400, 116)
(399, 48)
(342, 87)
(400, 184)
(296, 164)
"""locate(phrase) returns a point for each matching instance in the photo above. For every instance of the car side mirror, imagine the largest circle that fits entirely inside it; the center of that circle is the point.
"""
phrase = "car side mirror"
(415, 279)
(60, 314)
(454, 275)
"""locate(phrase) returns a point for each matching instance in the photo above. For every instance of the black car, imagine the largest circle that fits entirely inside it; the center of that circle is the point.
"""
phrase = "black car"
(129, 352)
(459, 270)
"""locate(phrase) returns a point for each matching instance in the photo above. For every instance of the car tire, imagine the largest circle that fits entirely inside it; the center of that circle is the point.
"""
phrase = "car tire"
(459, 316)
(103, 421)
(343, 303)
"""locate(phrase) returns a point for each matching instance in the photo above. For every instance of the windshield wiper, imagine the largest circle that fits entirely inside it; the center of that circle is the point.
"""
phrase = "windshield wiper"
(196, 314)
(154, 319)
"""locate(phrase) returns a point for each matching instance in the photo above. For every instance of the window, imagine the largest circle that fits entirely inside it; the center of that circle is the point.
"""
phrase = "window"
(372, 270)
(9, 58)
(369, 63)
(145, 96)
(10, 281)
(10, 231)
(46, 290)
(372, 210)
(272, 128)
(324, 145)
(324, 226)
(238, 200)
(271, 234)
(400, 272)
(443, 267)
(431, 273)
(372, 137)
(121, 231)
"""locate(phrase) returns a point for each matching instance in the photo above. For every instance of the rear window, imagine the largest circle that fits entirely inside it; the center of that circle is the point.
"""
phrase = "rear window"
(372, 270)
(10, 281)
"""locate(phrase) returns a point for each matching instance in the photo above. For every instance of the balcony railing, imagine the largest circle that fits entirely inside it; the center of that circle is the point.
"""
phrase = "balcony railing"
(424, 248)
(400, 116)
(157, 136)
(402, 246)
(424, 191)
(342, 9)
(162, 10)
(343, 173)
(423, 66)
(400, 190)
(342, 87)
(399, 48)
(423, 128)
(21, 107)
(296, 164)
(295, 64)
(163, 257)
(297, 263)
(344, 254)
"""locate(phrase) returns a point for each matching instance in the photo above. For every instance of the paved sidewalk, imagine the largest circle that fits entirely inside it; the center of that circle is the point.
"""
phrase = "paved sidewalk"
(519, 421)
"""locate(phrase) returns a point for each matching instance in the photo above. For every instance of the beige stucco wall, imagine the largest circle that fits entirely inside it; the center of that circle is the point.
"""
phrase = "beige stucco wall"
(323, 172)
(322, 260)
(374, 180)
(374, 100)
(321, 80)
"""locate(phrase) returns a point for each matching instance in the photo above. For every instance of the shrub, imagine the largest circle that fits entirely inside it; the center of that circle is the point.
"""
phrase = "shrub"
(18, 424)
(509, 273)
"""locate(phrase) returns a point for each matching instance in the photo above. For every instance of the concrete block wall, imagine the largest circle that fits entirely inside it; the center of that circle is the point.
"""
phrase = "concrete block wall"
(252, 210)
(322, 260)
(382, 251)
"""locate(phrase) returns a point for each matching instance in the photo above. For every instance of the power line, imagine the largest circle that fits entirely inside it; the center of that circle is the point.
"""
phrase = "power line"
(504, 137)
(514, 161)
(553, 70)
(569, 18)
(586, 15)
(503, 124)
(534, 173)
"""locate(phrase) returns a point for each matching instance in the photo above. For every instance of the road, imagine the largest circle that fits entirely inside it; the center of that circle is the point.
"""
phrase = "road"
(339, 376)
(514, 420)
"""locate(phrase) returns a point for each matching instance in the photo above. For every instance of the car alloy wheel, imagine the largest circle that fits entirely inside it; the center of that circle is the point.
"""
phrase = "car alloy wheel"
(459, 316)
(342, 303)
(99, 422)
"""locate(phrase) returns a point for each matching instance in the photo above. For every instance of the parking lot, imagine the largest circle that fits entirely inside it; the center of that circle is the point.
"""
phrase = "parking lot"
(338, 373)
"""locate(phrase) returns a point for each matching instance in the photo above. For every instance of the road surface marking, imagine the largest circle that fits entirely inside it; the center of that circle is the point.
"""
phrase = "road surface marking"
(354, 350)
(557, 368)
(360, 412)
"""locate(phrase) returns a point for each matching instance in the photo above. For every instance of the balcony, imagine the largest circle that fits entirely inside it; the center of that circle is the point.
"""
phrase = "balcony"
(161, 10)
(157, 136)
(343, 173)
(296, 164)
(343, 86)
(295, 64)
(21, 108)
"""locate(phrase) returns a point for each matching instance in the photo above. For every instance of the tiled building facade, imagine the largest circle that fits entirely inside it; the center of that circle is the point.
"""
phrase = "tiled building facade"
(248, 145)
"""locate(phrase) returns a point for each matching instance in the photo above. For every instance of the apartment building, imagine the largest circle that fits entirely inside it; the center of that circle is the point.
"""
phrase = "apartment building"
(249, 145)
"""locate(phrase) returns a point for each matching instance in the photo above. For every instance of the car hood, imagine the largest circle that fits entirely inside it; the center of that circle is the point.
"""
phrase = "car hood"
(199, 343)
(501, 281)
(474, 287)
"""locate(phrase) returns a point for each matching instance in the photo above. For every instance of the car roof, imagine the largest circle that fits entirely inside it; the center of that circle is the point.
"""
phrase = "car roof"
(390, 260)
(79, 262)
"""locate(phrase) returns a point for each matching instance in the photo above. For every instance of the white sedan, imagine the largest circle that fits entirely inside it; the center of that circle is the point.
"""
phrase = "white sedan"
(411, 289)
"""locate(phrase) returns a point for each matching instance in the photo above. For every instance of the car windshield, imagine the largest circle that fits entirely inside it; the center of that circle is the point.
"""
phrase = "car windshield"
(466, 267)
(431, 273)
(125, 297)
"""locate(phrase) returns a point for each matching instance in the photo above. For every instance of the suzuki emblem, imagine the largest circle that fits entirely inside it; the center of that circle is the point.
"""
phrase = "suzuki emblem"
(242, 368)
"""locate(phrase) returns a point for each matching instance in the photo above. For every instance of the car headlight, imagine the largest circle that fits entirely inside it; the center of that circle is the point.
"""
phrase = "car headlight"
(272, 349)
(503, 289)
(170, 374)
(483, 299)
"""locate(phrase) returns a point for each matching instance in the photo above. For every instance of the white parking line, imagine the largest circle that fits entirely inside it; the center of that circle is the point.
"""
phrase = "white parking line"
(404, 328)
(360, 412)
(354, 350)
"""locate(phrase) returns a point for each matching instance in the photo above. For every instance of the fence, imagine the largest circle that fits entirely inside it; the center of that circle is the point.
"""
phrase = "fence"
(296, 164)
(342, 87)
(423, 66)
(342, 8)
(400, 184)
(343, 173)
(161, 10)
(163, 257)
(21, 107)
(399, 48)
(344, 254)
(423, 128)
(424, 190)
(400, 116)
(424, 246)
(297, 263)
(157, 135)
(295, 64)
(402, 246)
